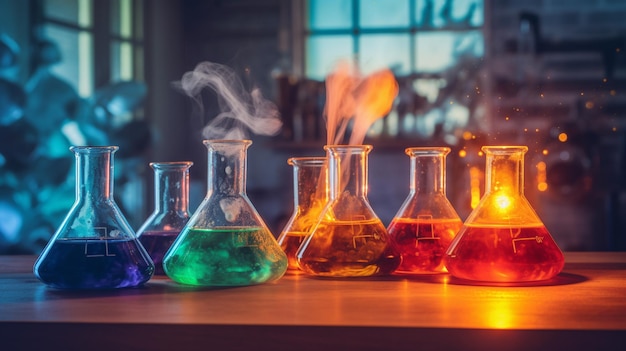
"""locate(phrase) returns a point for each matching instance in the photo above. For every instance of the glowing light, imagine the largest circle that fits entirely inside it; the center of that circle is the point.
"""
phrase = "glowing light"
(503, 202)
(467, 135)
(542, 185)
(589, 105)
(562, 137)
(462, 153)
(545, 152)
(480, 153)
(506, 118)
(475, 176)
(614, 129)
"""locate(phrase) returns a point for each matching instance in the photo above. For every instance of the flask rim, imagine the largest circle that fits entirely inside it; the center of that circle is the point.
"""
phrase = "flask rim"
(93, 149)
(308, 160)
(171, 164)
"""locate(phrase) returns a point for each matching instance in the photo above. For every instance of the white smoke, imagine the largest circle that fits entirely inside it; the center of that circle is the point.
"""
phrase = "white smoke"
(241, 111)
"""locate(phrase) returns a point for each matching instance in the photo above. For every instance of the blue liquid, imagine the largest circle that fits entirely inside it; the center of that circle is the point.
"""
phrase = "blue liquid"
(94, 264)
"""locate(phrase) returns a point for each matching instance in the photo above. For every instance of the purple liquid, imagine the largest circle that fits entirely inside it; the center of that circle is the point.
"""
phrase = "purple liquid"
(157, 243)
(94, 264)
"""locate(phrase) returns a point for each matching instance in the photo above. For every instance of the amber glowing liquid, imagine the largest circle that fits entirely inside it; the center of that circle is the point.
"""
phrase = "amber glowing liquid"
(504, 254)
(422, 243)
(290, 243)
(349, 249)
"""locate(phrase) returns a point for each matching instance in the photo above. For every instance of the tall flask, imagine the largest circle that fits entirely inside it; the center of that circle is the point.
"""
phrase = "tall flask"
(503, 239)
(426, 223)
(171, 203)
(225, 242)
(95, 247)
(349, 240)
(310, 195)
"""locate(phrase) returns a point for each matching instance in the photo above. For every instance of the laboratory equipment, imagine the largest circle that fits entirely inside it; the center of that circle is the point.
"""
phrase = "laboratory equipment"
(426, 223)
(310, 195)
(171, 202)
(503, 239)
(225, 242)
(95, 247)
(348, 240)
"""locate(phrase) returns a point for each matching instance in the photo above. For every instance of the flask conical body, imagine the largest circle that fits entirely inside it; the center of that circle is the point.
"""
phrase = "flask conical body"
(426, 223)
(225, 242)
(503, 239)
(310, 196)
(348, 240)
(95, 247)
(171, 202)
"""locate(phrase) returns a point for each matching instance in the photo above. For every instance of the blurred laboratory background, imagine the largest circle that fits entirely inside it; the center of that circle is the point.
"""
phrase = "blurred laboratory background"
(549, 74)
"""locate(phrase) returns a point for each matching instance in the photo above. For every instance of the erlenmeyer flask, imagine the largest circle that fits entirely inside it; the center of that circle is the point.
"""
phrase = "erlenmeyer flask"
(171, 202)
(426, 223)
(503, 239)
(310, 194)
(95, 247)
(349, 240)
(225, 242)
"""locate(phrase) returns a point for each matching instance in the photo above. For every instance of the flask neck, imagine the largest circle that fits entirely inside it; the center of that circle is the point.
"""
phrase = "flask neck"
(94, 171)
(310, 183)
(348, 169)
(171, 186)
(428, 173)
(227, 165)
(505, 169)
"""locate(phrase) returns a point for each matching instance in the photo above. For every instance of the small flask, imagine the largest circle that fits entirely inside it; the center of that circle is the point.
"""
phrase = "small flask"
(349, 240)
(503, 239)
(171, 202)
(95, 247)
(426, 223)
(225, 242)
(310, 194)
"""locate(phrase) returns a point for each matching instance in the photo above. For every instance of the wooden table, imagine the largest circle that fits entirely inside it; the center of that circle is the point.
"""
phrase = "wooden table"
(584, 308)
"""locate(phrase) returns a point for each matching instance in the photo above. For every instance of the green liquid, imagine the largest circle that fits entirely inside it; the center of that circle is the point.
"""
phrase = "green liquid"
(229, 256)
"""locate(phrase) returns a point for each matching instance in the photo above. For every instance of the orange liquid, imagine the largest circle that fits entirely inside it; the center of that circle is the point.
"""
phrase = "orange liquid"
(504, 254)
(349, 249)
(423, 243)
(290, 243)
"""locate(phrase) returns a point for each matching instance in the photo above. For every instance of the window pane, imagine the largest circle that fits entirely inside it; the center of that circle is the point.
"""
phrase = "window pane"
(121, 61)
(76, 65)
(72, 11)
(446, 13)
(384, 13)
(121, 17)
(330, 14)
(324, 52)
(438, 51)
(378, 51)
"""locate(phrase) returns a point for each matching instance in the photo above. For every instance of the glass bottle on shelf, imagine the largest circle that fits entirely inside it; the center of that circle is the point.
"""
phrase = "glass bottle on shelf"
(349, 240)
(426, 223)
(225, 242)
(503, 239)
(310, 194)
(95, 247)
(171, 202)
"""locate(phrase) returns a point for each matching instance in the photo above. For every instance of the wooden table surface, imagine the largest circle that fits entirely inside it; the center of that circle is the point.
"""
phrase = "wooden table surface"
(583, 308)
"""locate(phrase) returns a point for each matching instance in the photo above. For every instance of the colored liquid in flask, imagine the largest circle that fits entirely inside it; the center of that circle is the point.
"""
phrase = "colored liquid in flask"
(156, 244)
(94, 264)
(423, 242)
(290, 243)
(505, 254)
(228, 256)
(350, 249)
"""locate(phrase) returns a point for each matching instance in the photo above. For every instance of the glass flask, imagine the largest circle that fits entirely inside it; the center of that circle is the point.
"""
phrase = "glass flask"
(426, 223)
(225, 242)
(348, 240)
(310, 194)
(95, 247)
(171, 202)
(503, 239)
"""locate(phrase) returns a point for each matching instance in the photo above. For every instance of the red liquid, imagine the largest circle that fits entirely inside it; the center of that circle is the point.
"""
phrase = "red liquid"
(504, 254)
(290, 243)
(423, 243)
(156, 244)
